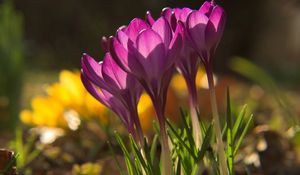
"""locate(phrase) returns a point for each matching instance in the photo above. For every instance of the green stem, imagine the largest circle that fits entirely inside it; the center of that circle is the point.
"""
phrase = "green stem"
(138, 128)
(165, 154)
(195, 124)
(220, 145)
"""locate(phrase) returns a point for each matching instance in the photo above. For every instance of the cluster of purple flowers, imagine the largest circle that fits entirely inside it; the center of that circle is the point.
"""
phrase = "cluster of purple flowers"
(144, 55)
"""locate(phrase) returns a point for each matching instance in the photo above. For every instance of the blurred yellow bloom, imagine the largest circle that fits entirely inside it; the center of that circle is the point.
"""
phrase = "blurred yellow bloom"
(45, 112)
(146, 112)
(66, 100)
(178, 83)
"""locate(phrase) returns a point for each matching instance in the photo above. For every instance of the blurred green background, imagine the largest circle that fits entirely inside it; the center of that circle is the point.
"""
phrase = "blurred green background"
(39, 38)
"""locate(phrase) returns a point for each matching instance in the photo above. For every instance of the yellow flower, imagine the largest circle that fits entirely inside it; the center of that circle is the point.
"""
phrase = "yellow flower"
(65, 100)
(46, 111)
(146, 112)
(69, 90)
(179, 85)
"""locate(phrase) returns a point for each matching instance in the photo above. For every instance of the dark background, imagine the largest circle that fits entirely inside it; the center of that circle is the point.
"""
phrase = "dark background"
(58, 32)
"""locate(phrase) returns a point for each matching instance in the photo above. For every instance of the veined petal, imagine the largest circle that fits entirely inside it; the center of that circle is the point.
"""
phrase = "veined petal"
(151, 52)
(215, 28)
(162, 27)
(135, 27)
(120, 54)
(218, 18)
(176, 44)
(123, 39)
(126, 59)
(93, 90)
(113, 74)
(92, 70)
(196, 24)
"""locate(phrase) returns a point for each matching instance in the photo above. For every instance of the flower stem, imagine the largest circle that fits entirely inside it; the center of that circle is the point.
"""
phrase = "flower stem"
(220, 145)
(165, 152)
(138, 128)
(195, 121)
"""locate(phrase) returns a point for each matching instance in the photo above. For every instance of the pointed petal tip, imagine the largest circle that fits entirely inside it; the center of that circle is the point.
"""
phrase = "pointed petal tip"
(149, 18)
(103, 38)
(164, 10)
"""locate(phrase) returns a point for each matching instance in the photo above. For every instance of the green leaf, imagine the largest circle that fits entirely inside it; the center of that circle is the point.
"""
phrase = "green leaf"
(230, 145)
(184, 118)
(139, 157)
(181, 141)
(213, 161)
(131, 167)
(246, 128)
(178, 167)
(239, 121)
(154, 148)
(206, 143)
(224, 131)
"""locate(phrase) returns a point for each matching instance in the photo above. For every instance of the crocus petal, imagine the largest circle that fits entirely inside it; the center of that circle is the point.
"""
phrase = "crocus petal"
(123, 28)
(135, 27)
(162, 27)
(127, 61)
(176, 45)
(218, 18)
(182, 14)
(169, 15)
(206, 8)
(149, 18)
(196, 24)
(113, 75)
(151, 52)
(120, 54)
(215, 28)
(93, 90)
(92, 70)
(105, 43)
(123, 38)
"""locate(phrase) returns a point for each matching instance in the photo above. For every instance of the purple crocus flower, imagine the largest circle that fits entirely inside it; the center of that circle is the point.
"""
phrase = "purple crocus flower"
(149, 52)
(204, 31)
(205, 28)
(114, 88)
(187, 64)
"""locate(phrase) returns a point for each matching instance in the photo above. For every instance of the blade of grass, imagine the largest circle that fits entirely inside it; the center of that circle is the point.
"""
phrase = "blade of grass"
(129, 163)
(178, 167)
(181, 141)
(139, 157)
(247, 126)
(230, 146)
(154, 148)
(239, 121)
(206, 143)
